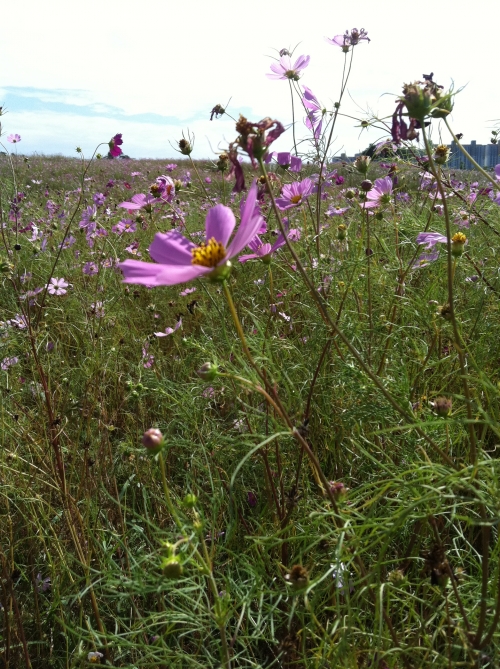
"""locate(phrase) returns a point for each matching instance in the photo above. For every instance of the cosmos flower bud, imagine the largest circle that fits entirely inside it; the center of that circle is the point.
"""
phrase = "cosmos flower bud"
(366, 185)
(341, 232)
(443, 105)
(338, 489)
(457, 244)
(208, 371)
(350, 194)
(362, 163)
(297, 577)
(152, 439)
(441, 154)
(171, 567)
(190, 500)
(185, 147)
(442, 406)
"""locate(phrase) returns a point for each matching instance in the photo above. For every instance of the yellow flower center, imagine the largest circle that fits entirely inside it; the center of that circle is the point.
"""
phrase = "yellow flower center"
(210, 254)
(459, 238)
(296, 199)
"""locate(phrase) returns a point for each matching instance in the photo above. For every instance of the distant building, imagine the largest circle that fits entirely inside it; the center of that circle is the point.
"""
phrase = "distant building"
(485, 155)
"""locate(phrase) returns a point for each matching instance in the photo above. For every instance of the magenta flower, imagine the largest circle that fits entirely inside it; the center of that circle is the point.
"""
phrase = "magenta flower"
(497, 172)
(90, 268)
(314, 119)
(124, 226)
(139, 201)
(349, 39)
(88, 218)
(425, 259)
(8, 362)
(293, 194)
(114, 145)
(380, 194)
(169, 331)
(430, 239)
(14, 139)
(264, 251)
(57, 286)
(285, 70)
(179, 260)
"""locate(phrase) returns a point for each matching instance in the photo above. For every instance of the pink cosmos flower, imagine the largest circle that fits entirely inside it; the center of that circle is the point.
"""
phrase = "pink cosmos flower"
(293, 194)
(380, 193)
(284, 69)
(139, 201)
(57, 286)
(179, 260)
(349, 39)
(90, 268)
(430, 239)
(124, 226)
(169, 331)
(14, 139)
(8, 362)
(114, 145)
(314, 119)
(263, 251)
(425, 259)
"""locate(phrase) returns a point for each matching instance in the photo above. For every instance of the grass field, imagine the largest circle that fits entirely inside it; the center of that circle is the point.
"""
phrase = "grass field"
(286, 462)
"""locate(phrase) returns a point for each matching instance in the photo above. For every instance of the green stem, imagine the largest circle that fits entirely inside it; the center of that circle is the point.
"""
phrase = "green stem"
(322, 308)
(469, 157)
(459, 345)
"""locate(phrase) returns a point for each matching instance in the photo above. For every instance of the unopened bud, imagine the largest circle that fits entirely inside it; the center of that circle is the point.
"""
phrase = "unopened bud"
(341, 232)
(350, 194)
(171, 567)
(338, 489)
(190, 501)
(366, 185)
(152, 439)
(208, 371)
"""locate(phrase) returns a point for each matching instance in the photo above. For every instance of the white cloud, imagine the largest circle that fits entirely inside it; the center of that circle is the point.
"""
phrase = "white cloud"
(179, 59)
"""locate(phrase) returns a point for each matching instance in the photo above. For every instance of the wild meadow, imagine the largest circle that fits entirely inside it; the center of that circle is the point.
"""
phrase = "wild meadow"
(250, 405)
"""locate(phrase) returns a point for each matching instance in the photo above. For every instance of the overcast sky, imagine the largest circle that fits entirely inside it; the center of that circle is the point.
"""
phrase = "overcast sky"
(75, 73)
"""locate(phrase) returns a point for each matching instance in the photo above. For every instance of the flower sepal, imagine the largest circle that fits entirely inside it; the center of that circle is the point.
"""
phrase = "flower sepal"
(220, 273)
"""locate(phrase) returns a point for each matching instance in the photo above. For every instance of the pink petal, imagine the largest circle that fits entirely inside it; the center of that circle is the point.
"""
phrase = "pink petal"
(151, 274)
(219, 223)
(171, 248)
(249, 226)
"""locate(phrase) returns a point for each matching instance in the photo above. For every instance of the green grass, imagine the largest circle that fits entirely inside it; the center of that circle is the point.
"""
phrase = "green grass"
(417, 505)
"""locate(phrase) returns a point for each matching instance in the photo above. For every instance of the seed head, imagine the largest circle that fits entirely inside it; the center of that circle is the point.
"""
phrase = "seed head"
(362, 163)
(297, 577)
(441, 154)
(185, 147)
(442, 406)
